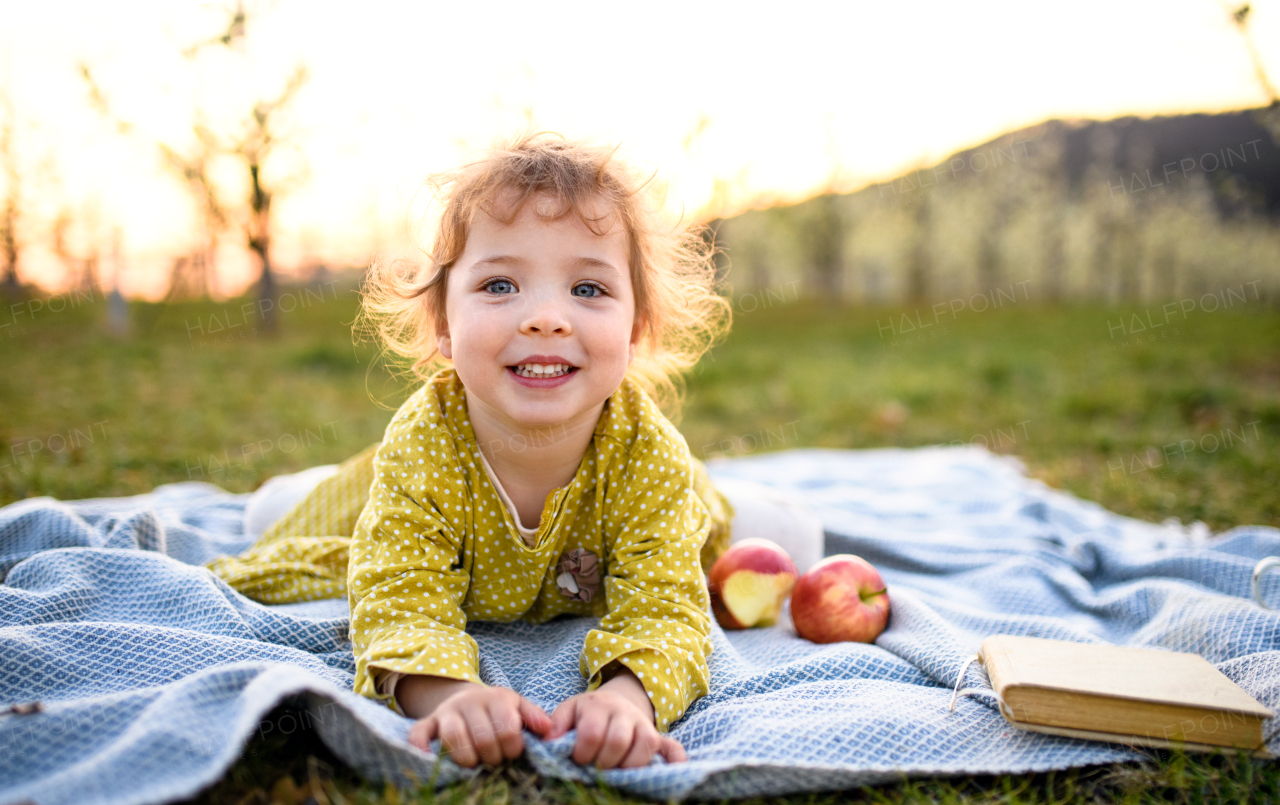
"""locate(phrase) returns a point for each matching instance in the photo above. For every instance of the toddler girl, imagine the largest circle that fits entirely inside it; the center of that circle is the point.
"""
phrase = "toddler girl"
(535, 475)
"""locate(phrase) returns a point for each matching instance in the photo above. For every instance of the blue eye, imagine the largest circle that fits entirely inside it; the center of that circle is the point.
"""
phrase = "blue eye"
(489, 285)
(599, 290)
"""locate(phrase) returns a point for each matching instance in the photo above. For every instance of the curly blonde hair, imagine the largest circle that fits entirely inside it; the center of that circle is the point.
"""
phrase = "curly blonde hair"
(673, 270)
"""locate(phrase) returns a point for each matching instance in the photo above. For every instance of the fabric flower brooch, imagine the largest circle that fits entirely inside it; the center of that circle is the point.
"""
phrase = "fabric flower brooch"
(578, 574)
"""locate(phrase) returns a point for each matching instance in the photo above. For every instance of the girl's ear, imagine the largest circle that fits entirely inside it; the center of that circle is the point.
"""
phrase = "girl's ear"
(445, 345)
(636, 331)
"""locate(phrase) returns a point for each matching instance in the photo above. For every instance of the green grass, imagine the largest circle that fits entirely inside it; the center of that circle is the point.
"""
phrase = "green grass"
(1142, 427)
(1129, 423)
(299, 769)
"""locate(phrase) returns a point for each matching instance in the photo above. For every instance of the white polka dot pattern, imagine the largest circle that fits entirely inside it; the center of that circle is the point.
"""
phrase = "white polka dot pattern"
(303, 555)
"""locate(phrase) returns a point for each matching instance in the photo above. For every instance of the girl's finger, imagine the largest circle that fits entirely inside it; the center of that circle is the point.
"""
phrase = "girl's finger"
(564, 717)
(642, 749)
(671, 749)
(534, 717)
(455, 739)
(507, 722)
(593, 727)
(484, 738)
(618, 738)
(422, 731)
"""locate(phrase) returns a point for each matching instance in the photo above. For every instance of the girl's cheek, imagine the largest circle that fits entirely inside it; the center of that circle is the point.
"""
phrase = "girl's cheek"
(480, 320)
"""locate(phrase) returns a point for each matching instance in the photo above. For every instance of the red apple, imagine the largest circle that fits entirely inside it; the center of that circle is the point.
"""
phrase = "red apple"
(840, 598)
(749, 582)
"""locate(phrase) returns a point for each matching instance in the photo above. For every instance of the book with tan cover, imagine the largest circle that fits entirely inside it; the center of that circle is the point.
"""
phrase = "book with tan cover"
(1143, 696)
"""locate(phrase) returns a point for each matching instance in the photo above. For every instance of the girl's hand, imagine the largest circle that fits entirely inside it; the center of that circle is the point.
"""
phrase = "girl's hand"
(615, 725)
(480, 723)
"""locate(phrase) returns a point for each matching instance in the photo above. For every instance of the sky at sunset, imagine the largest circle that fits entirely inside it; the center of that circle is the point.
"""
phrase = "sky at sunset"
(771, 100)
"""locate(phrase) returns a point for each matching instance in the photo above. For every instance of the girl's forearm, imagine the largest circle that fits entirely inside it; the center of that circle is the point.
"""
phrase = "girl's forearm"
(419, 695)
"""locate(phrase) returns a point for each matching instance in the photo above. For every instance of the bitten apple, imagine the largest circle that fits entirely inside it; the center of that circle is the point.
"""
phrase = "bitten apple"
(749, 582)
(840, 598)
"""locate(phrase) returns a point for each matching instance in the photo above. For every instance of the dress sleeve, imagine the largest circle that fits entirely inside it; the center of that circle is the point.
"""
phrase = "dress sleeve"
(405, 581)
(657, 624)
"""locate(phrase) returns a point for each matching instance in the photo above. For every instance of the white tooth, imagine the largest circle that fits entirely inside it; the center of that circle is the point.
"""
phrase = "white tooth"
(542, 369)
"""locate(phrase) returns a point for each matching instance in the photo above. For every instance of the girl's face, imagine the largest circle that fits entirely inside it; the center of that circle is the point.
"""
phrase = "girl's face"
(526, 297)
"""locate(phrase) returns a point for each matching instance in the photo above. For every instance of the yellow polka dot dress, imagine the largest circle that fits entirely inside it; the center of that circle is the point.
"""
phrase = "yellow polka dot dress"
(303, 555)
(627, 540)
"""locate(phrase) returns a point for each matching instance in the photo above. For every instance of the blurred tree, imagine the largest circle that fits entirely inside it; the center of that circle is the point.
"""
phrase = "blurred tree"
(830, 222)
(1126, 254)
(189, 276)
(824, 237)
(232, 36)
(259, 136)
(81, 270)
(252, 141)
(1054, 266)
(919, 263)
(201, 266)
(990, 241)
(1269, 116)
(117, 308)
(1105, 227)
(256, 144)
(1164, 270)
(9, 215)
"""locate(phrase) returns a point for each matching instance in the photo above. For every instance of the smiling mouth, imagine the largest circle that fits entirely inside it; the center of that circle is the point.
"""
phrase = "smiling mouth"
(543, 370)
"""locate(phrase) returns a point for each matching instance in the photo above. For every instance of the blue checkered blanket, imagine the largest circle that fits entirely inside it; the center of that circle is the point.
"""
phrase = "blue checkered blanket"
(152, 674)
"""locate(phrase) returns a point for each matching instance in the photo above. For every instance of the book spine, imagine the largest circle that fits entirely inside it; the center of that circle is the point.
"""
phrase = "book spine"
(999, 666)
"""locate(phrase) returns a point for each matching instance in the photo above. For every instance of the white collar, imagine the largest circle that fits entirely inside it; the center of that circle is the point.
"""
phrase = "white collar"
(526, 533)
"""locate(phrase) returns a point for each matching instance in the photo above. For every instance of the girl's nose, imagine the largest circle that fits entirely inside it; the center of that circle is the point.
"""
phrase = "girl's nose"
(546, 314)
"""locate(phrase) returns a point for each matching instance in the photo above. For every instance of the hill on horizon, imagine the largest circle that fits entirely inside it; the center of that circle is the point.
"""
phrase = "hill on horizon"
(1128, 208)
